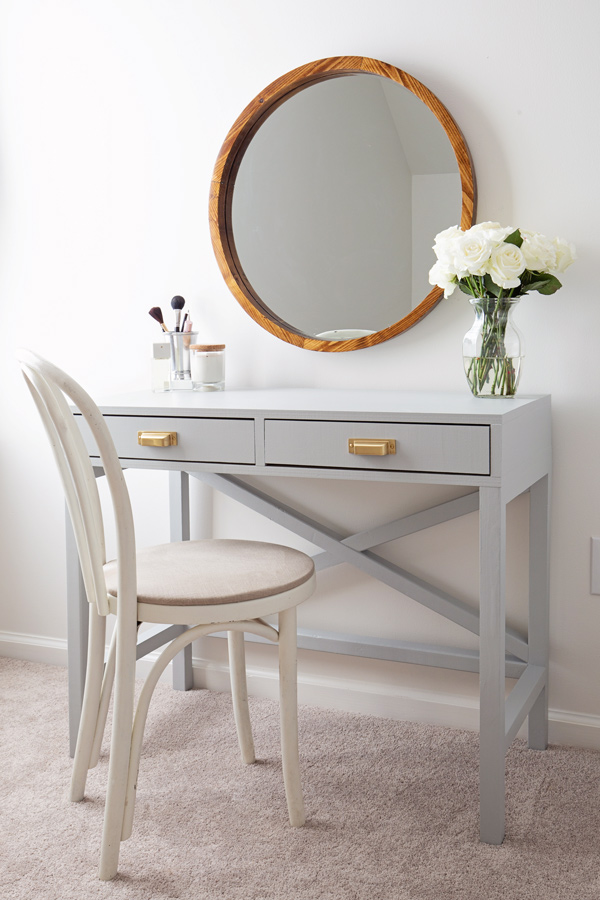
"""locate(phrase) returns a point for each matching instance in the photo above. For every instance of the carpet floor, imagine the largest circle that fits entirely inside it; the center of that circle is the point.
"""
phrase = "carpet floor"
(392, 809)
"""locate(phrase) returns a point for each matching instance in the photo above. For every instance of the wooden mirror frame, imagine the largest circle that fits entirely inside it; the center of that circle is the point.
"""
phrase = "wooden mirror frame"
(228, 162)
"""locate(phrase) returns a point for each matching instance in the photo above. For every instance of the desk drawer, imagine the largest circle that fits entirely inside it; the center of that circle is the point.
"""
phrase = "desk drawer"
(458, 449)
(198, 439)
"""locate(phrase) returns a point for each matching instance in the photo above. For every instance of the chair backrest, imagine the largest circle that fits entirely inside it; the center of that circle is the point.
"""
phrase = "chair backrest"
(49, 387)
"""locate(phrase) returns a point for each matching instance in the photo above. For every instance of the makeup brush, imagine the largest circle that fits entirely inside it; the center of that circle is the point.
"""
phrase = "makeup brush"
(156, 313)
(177, 304)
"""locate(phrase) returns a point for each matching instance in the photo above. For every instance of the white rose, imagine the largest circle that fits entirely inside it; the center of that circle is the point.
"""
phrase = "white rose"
(472, 253)
(493, 231)
(440, 276)
(448, 235)
(444, 246)
(565, 254)
(506, 264)
(539, 252)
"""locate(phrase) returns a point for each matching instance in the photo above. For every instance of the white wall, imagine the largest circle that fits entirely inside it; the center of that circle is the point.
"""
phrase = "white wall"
(111, 117)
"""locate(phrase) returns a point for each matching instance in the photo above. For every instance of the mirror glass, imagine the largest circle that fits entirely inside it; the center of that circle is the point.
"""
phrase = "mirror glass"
(331, 206)
(336, 203)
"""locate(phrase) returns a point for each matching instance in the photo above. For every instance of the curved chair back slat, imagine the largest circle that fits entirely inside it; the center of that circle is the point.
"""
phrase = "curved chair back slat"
(49, 387)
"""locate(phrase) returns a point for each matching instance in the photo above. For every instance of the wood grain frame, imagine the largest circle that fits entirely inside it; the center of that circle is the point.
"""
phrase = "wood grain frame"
(228, 163)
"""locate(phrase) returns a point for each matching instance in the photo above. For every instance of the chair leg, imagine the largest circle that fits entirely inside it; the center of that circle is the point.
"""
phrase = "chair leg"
(120, 746)
(289, 715)
(239, 694)
(91, 704)
(107, 686)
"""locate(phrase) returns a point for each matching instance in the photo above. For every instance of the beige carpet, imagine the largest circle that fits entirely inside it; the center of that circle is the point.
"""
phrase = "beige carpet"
(392, 809)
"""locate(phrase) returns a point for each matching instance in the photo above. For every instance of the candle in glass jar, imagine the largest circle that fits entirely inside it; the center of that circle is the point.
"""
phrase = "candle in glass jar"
(208, 367)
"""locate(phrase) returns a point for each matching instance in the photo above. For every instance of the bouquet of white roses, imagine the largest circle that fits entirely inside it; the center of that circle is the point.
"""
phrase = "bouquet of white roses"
(496, 266)
(489, 260)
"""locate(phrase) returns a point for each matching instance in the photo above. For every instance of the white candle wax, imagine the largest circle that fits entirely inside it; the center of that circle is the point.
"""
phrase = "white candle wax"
(208, 367)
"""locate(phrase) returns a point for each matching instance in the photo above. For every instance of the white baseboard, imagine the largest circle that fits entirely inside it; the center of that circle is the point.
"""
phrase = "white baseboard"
(384, 700)
(33, 648)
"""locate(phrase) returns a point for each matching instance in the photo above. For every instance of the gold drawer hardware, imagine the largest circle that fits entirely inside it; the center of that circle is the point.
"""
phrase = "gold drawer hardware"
(157, 438)
(371, 446)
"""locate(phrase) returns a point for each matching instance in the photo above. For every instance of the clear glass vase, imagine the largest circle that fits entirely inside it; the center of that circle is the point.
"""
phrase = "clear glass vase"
(493, 349)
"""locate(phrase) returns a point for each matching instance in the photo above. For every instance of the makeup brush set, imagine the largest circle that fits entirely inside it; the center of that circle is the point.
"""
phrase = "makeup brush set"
(181, 338)
(177, 303)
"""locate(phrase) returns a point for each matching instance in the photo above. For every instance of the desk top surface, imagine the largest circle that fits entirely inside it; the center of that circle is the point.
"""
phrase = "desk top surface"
(323, 403)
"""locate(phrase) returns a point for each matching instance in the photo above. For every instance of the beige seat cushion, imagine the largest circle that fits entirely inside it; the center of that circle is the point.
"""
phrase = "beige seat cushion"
(198, 573)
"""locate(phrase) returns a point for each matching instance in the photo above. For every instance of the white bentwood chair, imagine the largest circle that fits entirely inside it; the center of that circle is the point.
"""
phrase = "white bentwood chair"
(210, 586)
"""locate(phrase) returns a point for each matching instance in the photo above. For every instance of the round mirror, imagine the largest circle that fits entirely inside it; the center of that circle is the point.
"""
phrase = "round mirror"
(326, 197)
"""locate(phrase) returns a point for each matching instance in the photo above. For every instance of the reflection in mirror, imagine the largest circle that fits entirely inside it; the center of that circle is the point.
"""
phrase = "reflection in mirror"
(336, 202)
(326, 197)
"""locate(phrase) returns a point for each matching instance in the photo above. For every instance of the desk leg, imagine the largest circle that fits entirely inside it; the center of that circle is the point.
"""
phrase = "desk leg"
(179, 505)
(492, 559)
(77, 634)
(538, 606)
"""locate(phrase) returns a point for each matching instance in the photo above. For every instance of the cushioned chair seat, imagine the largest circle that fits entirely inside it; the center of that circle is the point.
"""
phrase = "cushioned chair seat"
(198, 573)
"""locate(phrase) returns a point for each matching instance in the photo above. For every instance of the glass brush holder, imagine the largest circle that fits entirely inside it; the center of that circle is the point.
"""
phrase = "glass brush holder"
(181, 342)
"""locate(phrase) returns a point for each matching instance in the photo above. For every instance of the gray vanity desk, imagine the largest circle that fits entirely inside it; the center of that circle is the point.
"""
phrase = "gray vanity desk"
(499, 448)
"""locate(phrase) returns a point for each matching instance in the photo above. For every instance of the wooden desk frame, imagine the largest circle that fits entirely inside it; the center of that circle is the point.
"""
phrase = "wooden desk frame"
(519, 461)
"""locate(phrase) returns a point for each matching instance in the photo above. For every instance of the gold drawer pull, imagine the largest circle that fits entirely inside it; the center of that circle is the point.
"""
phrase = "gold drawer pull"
(371, 446)
(157, 438)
